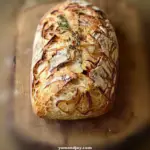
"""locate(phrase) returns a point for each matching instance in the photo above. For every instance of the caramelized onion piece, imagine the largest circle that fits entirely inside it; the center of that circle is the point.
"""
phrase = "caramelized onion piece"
(85, 104)
(66, 106)
(98, 99)
(69, 106)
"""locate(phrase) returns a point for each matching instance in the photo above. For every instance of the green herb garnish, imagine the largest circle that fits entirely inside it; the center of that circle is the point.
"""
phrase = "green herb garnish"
(63, 23)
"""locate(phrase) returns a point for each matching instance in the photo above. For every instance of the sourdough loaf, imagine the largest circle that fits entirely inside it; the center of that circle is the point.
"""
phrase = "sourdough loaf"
(74, 62)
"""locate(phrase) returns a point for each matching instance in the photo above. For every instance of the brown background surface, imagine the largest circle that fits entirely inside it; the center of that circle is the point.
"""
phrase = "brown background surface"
(8, 33)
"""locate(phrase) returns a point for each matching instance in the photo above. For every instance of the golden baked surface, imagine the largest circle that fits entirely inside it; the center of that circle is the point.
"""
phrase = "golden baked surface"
(74, 62)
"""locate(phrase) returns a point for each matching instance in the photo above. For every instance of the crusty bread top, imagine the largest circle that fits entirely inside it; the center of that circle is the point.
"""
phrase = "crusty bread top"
(74, 64)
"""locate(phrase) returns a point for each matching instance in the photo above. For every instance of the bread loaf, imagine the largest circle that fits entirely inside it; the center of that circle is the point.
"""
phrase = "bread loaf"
(74, 62)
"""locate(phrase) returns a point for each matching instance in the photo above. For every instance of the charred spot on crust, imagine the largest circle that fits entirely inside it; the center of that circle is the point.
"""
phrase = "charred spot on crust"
(85, 72)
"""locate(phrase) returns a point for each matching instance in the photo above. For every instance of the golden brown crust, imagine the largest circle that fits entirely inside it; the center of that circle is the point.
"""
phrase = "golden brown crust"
(74, 65)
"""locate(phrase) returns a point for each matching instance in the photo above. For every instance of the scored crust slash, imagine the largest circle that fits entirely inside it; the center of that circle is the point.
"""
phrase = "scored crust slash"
(74, 62)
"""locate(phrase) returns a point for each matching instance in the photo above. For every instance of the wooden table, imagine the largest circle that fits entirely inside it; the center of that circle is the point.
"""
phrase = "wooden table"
(131, 110)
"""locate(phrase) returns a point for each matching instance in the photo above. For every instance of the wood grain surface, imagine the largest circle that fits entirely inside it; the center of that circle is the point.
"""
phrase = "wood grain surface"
(130, 111)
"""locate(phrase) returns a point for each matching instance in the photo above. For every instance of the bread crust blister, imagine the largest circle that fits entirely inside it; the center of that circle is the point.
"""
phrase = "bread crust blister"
(74, 63)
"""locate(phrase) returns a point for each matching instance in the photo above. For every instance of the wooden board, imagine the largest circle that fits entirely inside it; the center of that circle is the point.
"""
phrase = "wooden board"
(131, 107)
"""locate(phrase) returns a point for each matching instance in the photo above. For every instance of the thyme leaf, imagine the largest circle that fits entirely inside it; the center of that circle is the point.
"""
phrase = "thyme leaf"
(63, 23)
